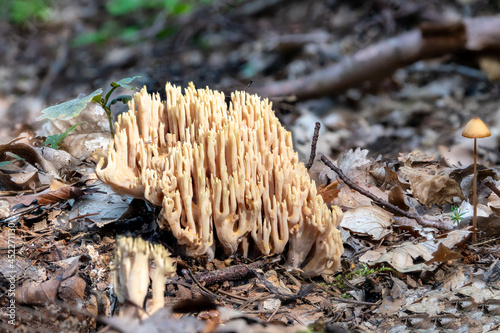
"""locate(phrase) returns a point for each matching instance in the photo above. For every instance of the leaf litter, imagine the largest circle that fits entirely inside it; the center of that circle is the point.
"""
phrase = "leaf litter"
(397, 275)
(388, 274)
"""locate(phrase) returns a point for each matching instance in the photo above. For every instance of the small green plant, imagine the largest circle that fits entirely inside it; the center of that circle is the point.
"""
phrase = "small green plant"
(72, 108)
(16, 158)
(131, 17)
(456, 214)
(21, 11)
(54, 141)
(364, 271)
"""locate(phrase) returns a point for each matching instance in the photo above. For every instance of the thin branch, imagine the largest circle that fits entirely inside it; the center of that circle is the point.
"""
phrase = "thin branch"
(313, 145)
(203, 290)
(384, 204)
(233, 273)
(492, 187)
(381, 59)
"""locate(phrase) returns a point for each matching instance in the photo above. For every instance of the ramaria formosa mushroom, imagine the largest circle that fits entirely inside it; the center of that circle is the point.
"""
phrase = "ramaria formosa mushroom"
(131, 270)
(131, 273)
(164, 268)
(229, 170)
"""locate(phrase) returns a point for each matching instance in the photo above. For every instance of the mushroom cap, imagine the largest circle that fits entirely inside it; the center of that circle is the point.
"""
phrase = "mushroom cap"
(475, 128)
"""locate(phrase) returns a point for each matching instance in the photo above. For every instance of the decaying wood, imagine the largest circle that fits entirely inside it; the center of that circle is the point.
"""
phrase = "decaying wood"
(384, 204)
(379, 60)
(233, 273)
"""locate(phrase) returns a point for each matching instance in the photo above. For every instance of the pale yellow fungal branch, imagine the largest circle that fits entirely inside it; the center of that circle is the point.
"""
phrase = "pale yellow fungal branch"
(131, 266)
(225, 172)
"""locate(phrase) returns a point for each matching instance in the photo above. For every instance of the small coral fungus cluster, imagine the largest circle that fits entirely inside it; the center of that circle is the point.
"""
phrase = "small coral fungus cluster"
(228, 171)
(131, 273)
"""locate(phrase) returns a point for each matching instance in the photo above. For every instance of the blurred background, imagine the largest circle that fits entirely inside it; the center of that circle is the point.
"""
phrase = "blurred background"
(54, 50)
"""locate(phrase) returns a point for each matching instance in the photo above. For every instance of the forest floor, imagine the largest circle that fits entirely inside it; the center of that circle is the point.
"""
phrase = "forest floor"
(391, 120)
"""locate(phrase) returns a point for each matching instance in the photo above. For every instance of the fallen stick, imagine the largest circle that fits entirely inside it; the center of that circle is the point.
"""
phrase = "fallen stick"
(381, 59)
(384, 204)
(232, 273)
(314, 143)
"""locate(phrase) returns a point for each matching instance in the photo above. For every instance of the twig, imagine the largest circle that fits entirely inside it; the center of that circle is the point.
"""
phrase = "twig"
(486, 241)
(343, 300)
(251, 300)
(313, 145)
(232, 273)
(492, 187)
(450, 68)
(272, 314)
(382, 59)
(205, 291)
(384, 204)
(285, 297)
(241, 298)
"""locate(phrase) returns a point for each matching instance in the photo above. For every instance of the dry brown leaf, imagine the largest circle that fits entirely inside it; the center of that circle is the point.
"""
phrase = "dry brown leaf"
(370, 256)
(351, 198)
(455, 280)
(72, 290)
(432, 189)
(329, 192)
(20, 165)
(411, 257)
(35, 293)
(355, 165)
(397, 197)
(63, 194)
(415, 157)
(389, 306)
(388, 178)
(369, 221)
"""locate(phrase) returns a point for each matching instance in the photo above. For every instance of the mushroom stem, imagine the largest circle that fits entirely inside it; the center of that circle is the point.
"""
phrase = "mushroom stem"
(475, 129)
(474, 188)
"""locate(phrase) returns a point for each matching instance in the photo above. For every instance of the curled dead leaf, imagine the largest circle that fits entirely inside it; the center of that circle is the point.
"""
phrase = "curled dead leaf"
(369, 221)
(432, 189)
(397, 197)
(35, 293)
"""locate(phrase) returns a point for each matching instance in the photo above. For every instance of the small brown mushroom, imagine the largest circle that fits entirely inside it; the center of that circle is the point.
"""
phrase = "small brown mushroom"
(475, 129)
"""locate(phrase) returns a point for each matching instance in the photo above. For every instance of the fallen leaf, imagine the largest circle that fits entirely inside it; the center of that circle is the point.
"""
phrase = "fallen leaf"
(432, 189)
(35, 293)
(351, 198)
(397, 197)
(370, 221)
(355, 165)
(329, 192)
(414, 158)
(422, 256)
(63, 194)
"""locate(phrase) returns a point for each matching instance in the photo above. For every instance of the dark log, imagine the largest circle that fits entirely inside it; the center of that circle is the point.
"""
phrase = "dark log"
(382, 59)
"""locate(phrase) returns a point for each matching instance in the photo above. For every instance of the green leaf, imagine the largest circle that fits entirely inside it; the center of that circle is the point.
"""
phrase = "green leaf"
(124, 83)
(21, 11)
(86, 38)
(122, 7)
(17, 158)
(122, 98)
(69, 109)
(55, 140)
